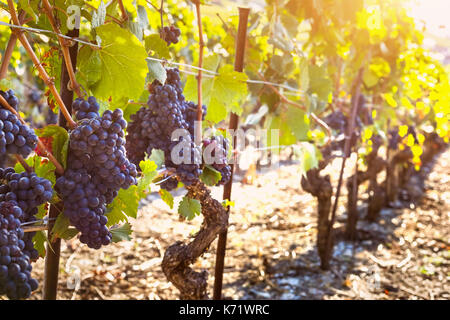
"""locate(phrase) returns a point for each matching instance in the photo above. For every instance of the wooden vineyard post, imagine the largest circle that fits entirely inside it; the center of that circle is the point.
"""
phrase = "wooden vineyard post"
(347, 151)
(234, 119)
(52, 256)
(352, 203)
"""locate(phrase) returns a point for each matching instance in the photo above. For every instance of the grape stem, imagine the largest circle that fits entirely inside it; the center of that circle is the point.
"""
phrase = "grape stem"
(43, 74)
(64, 48)
(123, 11)
(198, 127)
(34, 228)
(48, 154)
(24, 163)
(161, 13)
(10, 49)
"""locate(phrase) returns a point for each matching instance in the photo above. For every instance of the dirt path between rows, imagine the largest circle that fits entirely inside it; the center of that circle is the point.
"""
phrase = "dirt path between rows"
(271, 248)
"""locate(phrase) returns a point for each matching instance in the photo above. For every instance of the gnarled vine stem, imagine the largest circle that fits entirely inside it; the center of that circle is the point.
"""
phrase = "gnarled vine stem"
(179, 256)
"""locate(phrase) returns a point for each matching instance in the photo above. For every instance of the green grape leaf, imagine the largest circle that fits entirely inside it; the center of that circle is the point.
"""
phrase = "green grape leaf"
(61, 228)
(31, 7)
(167, 197)
(148, 168)
(254, 118)
(157, 157)
(221, 94)
(136, 29)
(5, 84)
(89, 67)
(227, 203)
(121, 233)
(60, 143)
(319, 82)
(189, 208)
(69, 233)
(310, 157)
(42, 211)
(304, 74)
(124, 205)
(130, 109)
(127, 201)
(123, 68)
(157, 45)
(39, 240)
(142, 17)
(298, 121)
(210, 176)
(44, 169)
(156, 72)
(279, 132)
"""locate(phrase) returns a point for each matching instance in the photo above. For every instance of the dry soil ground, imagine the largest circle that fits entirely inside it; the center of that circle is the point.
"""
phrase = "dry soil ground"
(271, 248)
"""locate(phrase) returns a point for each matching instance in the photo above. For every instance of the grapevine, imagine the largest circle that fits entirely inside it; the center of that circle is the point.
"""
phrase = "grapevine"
(103, 107)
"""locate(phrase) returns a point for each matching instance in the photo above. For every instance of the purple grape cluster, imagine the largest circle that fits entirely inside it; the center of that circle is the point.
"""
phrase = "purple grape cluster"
(393, 139)
(217, 158)
(11, 98)
(85, 206)
(98, 168)
(29, 192)
(15, 265)
(152, 127)
(186, 159)
(170, 34)
(34, 96)
(337, 121)
(169, 183)
(83, 109)
(15, 137)
(189, 110)
(26, 188)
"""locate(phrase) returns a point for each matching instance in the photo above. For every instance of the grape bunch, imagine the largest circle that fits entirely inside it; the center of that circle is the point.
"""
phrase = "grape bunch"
(393, 139)
(337, 121)
(98, 168)
(189, 110)
(217, 157)
(15, 137)
(34, 96)
(186, 158)
(29, 191)
(11, 98)
(152, 128)
(15, 266)
(51, 117)
(26, 188)
(83, 109)
(169, 183)
(85, 206)
(170, 34)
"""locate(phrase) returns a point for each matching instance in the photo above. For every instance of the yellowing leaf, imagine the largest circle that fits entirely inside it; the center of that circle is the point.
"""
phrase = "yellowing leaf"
(221, 94)
(402, 131)
(119, 67)
(389, 98)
